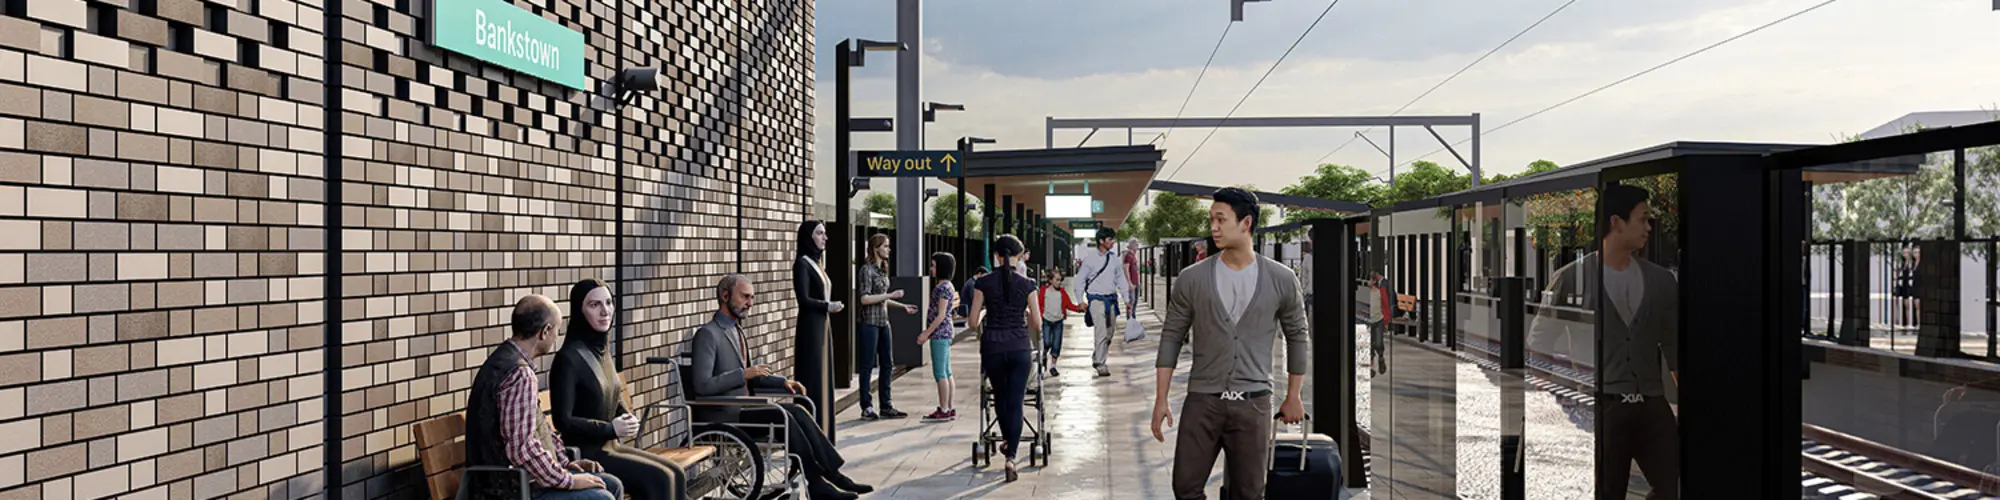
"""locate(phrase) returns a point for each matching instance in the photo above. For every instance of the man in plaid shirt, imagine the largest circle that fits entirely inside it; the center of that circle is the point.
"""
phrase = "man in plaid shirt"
(504, 424)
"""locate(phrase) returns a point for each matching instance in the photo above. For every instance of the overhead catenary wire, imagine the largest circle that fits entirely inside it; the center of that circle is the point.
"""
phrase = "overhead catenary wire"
(1454, 75)
(1197, 83)
(1253, 87)
(1633, 76)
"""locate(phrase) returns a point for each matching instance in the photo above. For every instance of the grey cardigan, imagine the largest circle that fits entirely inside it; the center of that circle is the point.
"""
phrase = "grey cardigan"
(1235, 357)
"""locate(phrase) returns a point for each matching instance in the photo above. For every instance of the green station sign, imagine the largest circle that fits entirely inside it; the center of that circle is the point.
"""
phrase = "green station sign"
(1085, 224)
(500, 33)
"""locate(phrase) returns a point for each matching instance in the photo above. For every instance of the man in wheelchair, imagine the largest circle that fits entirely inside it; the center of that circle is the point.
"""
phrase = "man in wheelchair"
(722, 367)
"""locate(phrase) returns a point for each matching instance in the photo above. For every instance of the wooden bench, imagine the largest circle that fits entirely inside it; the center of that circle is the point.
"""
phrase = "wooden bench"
(442, 455)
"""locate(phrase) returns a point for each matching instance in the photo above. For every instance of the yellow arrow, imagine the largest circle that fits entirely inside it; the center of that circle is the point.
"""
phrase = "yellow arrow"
(948, 160)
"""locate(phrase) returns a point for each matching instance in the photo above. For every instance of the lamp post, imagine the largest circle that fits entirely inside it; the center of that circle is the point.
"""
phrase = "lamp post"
(851, 53)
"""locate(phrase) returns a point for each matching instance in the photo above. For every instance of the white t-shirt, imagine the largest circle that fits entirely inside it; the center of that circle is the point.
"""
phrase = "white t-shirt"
(1235, 288)
(1627, 289)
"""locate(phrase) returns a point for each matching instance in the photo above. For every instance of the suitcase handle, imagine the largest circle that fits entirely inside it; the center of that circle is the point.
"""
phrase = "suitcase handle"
(1305, 443)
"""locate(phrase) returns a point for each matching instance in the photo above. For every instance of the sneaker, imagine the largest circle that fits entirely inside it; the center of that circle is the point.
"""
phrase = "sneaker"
(869, 414)
(887, 412)
(951, 414)
(938, 416)
(1103, 371)
(1053, 372)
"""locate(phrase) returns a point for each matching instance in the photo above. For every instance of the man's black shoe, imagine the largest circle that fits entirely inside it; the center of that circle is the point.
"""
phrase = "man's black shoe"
(869, 414)
(821, 490)
(887, 412)
(846, 483)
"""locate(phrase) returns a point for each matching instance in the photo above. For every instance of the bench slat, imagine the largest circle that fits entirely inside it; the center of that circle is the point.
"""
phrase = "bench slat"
(439, 459)
(684, 457)
(444, 486)
(440, 430)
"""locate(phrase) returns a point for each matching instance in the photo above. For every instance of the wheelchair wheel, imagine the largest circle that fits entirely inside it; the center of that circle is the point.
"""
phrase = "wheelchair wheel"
(738, 464)
(980, 456)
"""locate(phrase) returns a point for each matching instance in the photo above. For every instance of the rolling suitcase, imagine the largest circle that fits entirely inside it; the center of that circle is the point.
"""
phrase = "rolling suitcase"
(1301, 466)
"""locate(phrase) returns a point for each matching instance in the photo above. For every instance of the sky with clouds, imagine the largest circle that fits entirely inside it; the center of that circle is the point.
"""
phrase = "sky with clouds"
(1841, 69)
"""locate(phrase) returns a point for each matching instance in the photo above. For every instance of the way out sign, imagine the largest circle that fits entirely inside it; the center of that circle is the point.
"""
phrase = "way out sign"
(907, 163)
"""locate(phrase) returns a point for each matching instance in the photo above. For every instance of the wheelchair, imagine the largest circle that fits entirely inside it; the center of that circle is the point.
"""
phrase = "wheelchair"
(752, 461)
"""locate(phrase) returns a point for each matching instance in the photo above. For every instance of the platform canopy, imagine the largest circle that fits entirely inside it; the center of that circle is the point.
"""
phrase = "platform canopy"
(1114, 175)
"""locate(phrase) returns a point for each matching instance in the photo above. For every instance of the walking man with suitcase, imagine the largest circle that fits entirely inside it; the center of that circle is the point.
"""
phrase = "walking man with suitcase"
(1235, 306)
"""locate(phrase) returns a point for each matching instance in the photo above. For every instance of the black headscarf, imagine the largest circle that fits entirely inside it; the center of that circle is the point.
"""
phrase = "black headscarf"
(580, 332)
(806, 245)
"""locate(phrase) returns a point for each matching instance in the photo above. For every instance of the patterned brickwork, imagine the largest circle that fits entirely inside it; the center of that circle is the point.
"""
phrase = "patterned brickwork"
(164, 265)
(161, 286)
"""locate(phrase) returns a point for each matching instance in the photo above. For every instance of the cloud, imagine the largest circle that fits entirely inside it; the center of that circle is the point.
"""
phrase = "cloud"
(1842, 69)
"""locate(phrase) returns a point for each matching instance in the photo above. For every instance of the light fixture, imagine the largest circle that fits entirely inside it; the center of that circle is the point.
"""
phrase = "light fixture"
(860, 183)
(634, 81)
(1068, 206)
(931, 109)
(930, 193)
(862, 47)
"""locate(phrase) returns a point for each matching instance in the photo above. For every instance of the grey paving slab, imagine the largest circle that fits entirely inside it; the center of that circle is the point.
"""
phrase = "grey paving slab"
(1103, 446)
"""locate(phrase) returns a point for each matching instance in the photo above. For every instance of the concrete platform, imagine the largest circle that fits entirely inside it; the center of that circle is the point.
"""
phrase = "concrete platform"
(1103, 447)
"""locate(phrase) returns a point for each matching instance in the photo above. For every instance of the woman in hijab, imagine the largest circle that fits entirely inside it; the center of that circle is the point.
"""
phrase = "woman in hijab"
(814, 292)
(587, 400)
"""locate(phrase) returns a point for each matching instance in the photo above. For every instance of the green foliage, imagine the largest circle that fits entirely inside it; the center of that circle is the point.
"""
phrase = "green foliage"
(944, 216)
(1425, 180)
(881, 203)
(1173, 216)
(1134, 226)
(1912, 207)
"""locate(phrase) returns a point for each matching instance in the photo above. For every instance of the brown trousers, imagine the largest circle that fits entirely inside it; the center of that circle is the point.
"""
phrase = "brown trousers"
(1239, 429)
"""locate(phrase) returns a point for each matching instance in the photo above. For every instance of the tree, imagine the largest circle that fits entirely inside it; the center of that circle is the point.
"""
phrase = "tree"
(881, 203)
(1334, 182)
(944, 215)
(1135, 224)
(1173, 216)
(1912, 207)
(1537, 167)
(1425, 180)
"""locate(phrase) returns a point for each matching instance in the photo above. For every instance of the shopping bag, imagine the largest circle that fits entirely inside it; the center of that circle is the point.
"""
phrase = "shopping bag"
(1133, 331)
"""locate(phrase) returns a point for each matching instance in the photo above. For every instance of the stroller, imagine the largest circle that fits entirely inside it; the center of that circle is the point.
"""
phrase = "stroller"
(1035, 431)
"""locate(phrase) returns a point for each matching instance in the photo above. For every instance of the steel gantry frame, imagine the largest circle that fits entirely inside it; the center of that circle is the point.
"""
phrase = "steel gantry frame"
(1427, 122)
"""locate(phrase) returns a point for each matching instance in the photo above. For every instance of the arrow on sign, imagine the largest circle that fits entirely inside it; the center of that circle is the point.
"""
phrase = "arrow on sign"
(948, 160)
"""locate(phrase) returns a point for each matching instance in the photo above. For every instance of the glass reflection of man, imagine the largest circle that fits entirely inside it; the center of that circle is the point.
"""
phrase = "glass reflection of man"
(1640, 326)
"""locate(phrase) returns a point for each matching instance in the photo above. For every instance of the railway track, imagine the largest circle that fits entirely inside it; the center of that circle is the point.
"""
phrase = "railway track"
(1833, 465)
(1843, 467)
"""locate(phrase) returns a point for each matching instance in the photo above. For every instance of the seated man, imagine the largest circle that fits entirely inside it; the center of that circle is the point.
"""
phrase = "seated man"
(720, 359)
(504, 424)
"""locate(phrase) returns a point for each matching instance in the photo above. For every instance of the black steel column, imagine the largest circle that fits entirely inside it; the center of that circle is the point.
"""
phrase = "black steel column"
(1017, 220)
(959, 246)
(1006, 215)
(839, 262)
(1513, 293)
(1334, 371)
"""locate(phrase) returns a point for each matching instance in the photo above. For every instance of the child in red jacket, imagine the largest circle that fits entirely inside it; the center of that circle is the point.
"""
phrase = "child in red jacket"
(1056, 306)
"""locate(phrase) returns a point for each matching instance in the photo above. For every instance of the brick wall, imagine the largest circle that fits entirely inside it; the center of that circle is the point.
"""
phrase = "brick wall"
(166, 254)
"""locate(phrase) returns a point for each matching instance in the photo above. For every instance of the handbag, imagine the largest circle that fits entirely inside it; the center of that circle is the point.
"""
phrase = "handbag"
(1133, 331)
